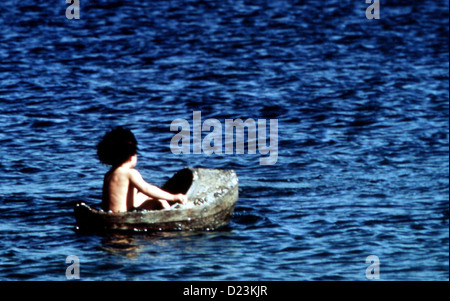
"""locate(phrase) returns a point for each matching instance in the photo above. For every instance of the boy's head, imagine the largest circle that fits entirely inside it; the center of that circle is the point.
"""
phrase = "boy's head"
(117, 146)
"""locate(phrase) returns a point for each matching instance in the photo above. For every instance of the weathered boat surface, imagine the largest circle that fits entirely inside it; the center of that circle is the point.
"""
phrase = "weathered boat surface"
(212, 195)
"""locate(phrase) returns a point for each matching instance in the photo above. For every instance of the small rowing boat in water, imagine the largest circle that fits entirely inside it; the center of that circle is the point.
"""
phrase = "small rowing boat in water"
(212, 195)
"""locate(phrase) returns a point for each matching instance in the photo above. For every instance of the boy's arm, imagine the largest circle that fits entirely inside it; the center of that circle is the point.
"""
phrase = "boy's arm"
(151, 190)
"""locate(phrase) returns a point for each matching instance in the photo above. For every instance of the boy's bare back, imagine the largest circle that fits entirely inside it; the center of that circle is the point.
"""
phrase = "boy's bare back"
(118, 193)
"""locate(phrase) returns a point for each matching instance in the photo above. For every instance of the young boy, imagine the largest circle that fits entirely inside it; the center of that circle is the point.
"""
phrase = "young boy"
(123, 186)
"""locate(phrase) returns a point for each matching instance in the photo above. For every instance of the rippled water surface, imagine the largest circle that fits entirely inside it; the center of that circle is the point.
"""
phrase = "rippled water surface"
(362, 108)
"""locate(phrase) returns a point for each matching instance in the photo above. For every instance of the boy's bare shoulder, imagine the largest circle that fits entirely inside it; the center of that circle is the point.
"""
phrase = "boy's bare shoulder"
(133, 173)
(121, 173)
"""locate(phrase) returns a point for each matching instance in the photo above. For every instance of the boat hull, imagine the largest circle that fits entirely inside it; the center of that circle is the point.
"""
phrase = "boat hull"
(212, 194)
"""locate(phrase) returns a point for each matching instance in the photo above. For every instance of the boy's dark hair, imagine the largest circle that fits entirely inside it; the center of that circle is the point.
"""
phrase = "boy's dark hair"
(117, 146)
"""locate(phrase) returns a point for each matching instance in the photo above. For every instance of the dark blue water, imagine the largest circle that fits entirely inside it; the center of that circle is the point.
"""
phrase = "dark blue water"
(363, 127)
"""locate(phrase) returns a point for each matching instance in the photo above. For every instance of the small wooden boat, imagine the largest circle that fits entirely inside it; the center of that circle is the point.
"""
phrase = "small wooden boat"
(212, 195)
